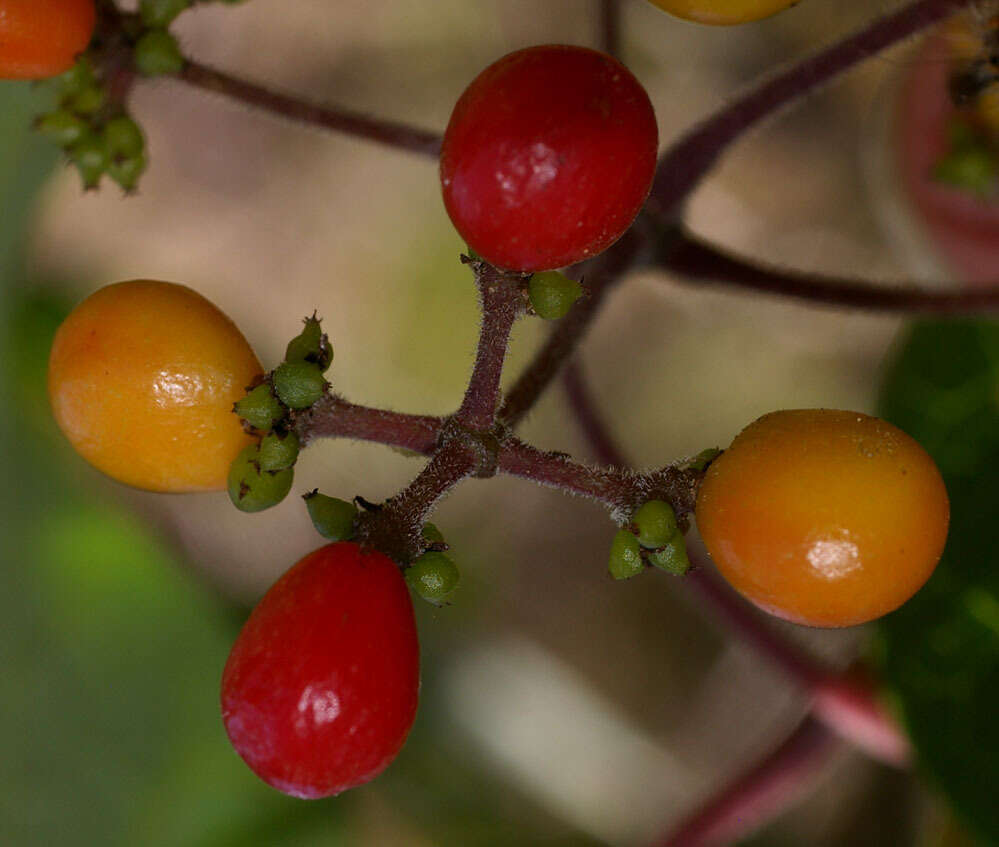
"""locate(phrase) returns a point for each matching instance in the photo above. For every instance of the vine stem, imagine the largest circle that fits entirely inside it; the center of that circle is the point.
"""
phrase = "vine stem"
(844, 704)
(695, 260)
(686, 162)
(615, 488)
(395, 527)
(759, 794)
(502, 300)
(610, 27)
(390, 133)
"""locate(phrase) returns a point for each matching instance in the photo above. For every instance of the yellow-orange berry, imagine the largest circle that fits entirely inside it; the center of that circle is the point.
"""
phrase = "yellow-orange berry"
(142, 380)
(723, 12)
(824, 517)
(41, 38)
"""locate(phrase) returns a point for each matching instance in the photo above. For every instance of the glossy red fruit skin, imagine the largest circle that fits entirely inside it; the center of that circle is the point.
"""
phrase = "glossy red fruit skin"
(548, 157)
(321, 686)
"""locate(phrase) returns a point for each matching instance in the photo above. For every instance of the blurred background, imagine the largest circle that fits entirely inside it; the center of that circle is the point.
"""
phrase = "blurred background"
(557, 707)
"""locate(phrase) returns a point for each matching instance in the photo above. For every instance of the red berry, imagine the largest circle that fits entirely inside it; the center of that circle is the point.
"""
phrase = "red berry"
(548, 157)
(321, 686)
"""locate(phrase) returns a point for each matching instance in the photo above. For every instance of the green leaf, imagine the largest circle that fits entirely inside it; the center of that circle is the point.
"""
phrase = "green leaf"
(940, 652)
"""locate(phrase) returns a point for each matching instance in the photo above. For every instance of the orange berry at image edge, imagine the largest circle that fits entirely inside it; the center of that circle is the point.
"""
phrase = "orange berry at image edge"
(824, 517)
(723, 12)
(42, 38)
(142, 379)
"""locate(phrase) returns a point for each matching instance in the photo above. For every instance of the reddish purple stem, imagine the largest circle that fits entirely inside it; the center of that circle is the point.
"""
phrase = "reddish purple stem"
(390, 133)
(760, 793)
(686, 162)
(697, 261)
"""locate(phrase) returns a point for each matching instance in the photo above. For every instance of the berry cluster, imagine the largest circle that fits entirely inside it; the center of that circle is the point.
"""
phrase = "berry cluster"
(823, 517)
(94, 131)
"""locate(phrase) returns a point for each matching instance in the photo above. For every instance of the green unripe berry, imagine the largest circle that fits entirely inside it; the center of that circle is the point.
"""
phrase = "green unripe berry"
(252, 489)
(332, 518)
(91, 160)
(63, 127)
(88, 99)
(971, 168)
(625, 556)
(552, 294)
(76, 78)
(656, 523)
(126, 171)
(123, 137)
(157, 52)
(278, 452)
(260, 408)
(433, 576)
(311, 345)
(432, 534)
(701, 461)
(160, 13)
(298, 384)
(672, 557)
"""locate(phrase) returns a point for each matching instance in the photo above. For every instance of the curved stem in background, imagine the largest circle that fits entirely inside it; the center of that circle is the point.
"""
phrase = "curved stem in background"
(695, 260)
(686, 161)
(600, 276)
(610, 27)
(390, 133)
(759, 794)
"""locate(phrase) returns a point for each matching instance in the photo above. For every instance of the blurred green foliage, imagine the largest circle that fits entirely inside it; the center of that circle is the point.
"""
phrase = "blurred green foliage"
(940, 651)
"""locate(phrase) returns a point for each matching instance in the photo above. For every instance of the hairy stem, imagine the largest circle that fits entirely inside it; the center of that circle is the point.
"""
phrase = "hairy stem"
(759, 794)
(502, 300)
(395, 527)
(620, 489)
(686, 162)
(696, 260)
(390, 133)
(333, 417)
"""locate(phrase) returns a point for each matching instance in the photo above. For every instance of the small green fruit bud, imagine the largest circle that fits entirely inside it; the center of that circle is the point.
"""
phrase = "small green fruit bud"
(78, 77)
(260, 408)
(672, 557)
(87, 100)
(970, 168)
(311, 345)
(298, 384)
(656, 523)
(63, 127)
(123, 137)
(278, 452)
(90, 158)
(157, 52)
(160, 13)
(432, 534)
(433, 576)
(552, 294)
(252, 489)
(126, 172)
(703, 459)
(625, 556)
(332, 518)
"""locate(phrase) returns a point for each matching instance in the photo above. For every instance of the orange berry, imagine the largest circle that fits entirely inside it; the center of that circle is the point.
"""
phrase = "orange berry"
(41, 38)
(142, 379)
(824, 517)
(723, 12)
